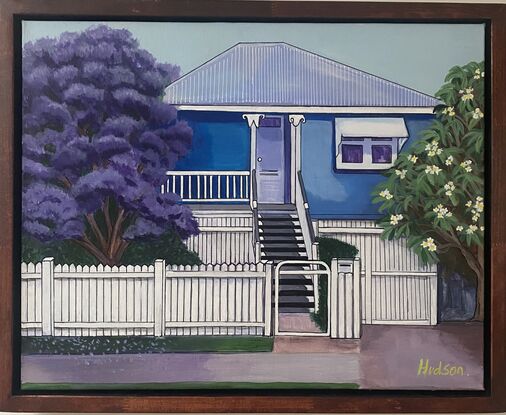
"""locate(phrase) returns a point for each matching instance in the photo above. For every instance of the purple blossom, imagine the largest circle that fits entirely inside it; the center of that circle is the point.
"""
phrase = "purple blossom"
(49, 213)
(95, 129)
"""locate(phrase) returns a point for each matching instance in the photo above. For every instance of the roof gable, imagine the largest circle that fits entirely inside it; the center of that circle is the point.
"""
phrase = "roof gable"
(279, 74)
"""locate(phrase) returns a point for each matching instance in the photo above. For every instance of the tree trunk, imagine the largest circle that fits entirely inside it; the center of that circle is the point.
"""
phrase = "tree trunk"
(479, 311)
(106, 245)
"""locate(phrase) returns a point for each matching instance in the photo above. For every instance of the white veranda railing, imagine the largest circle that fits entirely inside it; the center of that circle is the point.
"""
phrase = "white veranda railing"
(209, 186)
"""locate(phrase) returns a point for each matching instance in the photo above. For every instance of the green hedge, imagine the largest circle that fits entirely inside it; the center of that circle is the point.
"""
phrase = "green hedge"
(168, 246)
(329, 248)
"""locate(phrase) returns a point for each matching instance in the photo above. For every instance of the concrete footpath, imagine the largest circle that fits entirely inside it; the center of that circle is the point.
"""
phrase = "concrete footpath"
(386, 357)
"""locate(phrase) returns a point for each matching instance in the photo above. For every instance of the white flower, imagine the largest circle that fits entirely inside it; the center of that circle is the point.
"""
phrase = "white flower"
(468, 95)
(459, 228)
(450, 111)
(449, 160)
(477, 114)
(401, 173)
(472, 229)
(394, 219)
(433, 149)
(386, 194)
(412, 158)
(478, 74)
(476, 218)
(469, 203)
(433, 170)
(466, 165)
(449, 187)
(442, 212)
(429, 244)
(482, 228)
(479, 205)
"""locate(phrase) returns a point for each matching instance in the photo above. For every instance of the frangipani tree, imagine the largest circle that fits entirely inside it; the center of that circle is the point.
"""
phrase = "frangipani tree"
(97, 141)
(434, 194)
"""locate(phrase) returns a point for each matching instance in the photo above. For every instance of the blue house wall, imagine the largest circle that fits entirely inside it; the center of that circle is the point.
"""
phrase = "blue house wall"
(341, 194)
(221, 141)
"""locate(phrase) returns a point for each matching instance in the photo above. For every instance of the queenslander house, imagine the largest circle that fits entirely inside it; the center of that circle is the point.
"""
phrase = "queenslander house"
(287, 147)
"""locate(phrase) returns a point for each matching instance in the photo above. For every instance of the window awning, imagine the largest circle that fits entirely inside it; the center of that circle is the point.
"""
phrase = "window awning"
(372, 127)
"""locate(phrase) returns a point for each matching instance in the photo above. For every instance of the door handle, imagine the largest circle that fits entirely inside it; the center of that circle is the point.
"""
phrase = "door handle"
(259, 159)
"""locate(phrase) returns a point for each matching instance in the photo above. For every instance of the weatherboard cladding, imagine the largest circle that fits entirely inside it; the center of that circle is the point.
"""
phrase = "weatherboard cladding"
(278, 74)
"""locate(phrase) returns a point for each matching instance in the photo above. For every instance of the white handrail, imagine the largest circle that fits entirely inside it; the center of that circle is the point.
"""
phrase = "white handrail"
(302, 206)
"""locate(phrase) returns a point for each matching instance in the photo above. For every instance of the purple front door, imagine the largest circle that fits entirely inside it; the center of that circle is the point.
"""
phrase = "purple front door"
(270, 163)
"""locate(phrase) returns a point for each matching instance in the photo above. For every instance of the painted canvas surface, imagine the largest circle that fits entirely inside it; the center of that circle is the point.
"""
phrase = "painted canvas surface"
(252, 206)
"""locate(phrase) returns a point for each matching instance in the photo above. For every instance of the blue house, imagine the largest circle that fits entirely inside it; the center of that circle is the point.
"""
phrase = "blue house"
(287, 146)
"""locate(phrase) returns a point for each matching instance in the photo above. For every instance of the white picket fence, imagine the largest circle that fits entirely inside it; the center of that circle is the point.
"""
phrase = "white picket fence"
(154, 300)
(160, 300)
(396, 287)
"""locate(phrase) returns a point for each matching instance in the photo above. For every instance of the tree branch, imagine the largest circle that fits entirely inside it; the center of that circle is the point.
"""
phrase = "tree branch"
(107, 217)
(96, 230)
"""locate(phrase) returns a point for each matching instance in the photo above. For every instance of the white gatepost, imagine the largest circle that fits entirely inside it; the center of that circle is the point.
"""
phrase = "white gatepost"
(357, 303)
(332, 309)
(159, 311)
(316, 292)
(47, 286)
(269, 275)
(345, 309)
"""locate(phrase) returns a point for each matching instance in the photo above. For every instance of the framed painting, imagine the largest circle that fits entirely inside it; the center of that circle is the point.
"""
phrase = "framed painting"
(252, 206)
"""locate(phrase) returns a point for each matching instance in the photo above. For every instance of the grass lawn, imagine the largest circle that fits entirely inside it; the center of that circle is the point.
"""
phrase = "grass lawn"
(183, 386)
(141, 344)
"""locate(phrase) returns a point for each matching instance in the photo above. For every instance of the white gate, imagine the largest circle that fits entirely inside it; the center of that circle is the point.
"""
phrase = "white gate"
(313, 270)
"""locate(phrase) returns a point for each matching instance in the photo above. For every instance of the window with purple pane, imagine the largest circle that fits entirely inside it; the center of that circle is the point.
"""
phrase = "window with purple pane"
(381, 154)
(352, 153)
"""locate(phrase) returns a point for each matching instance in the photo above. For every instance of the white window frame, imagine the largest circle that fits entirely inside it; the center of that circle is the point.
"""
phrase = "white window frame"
(371, 137)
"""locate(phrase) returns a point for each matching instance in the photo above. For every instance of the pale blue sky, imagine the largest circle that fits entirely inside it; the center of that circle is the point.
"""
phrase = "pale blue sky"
(415, 55)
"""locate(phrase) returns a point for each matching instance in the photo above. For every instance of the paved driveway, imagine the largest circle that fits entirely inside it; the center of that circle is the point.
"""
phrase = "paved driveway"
(387, 357)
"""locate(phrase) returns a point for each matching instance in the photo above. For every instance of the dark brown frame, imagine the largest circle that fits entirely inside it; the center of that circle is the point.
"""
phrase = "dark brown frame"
(491, 400)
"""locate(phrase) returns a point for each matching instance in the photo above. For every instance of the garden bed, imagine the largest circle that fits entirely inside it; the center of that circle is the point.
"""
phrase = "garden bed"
(144, 344)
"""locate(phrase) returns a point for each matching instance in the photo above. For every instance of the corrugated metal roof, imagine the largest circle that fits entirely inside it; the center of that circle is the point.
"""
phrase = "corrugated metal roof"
(279, 74)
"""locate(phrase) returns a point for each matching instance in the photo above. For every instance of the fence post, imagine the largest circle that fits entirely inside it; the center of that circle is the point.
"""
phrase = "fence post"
(367, 259)
(433, 299)
(357, 295)
(316, 291)
(47, 276)
(159, 312)
(268, 299)
(333, 298)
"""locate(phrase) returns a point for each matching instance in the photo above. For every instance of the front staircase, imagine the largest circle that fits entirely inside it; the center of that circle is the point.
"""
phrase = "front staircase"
(281, 239)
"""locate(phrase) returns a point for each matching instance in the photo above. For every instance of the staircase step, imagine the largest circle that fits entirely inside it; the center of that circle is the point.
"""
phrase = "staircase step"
(295, 281)
(309, 304)
(282, 238)
(287, 243)
(284, 258)
(296, 293)
(280, 232)
(278, 226)
(287, 249)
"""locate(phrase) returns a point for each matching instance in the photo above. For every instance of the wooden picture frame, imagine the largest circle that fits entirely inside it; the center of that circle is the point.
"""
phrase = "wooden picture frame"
(492, 399)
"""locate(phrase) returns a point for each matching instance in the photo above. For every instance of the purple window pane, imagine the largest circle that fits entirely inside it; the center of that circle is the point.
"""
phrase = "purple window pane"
(382, 154)
(270, 122)
(352, 154)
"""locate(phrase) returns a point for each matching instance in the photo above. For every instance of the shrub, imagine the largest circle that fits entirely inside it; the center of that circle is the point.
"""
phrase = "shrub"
(168, 246)
(329, 248)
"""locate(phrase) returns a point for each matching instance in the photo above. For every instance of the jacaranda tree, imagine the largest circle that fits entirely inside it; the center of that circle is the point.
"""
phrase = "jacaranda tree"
(433, 195)
(97, 141)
